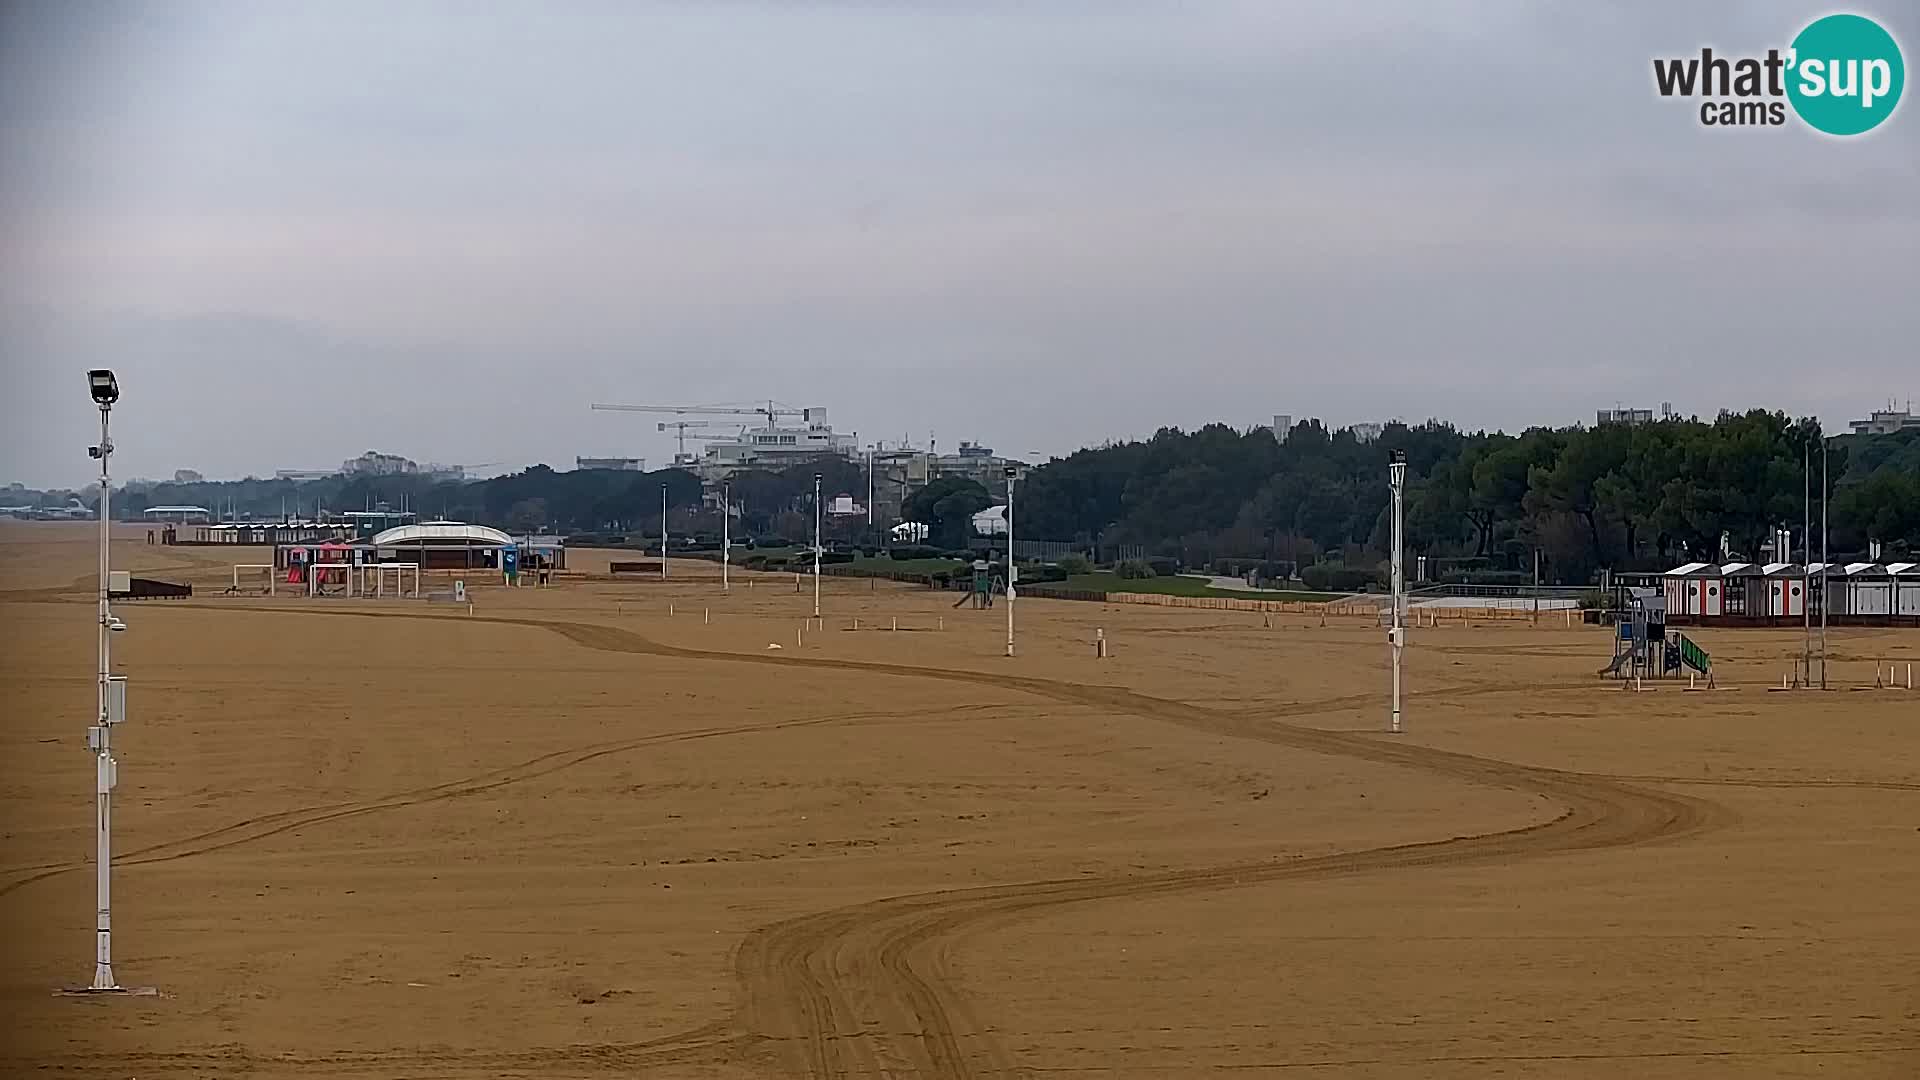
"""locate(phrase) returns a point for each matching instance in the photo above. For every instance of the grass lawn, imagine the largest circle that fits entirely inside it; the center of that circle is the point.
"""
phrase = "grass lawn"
(1106, 581)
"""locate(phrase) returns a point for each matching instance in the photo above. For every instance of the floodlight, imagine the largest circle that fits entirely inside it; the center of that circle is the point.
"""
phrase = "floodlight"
(104, 387)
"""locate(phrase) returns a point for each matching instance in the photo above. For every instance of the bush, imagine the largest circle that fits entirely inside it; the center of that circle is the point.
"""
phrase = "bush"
(1592, 600)
(1164, 566)
(1042, 573)
(1134, 570)
(914, 551)
(1338, 577)
(1500, 577)
(831, 558)
(1074, 563)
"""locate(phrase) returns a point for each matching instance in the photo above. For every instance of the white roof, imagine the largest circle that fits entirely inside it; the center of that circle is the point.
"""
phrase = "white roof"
(176, 510)
(1903, 568)
(1734, 567)
(1689, 568)
(1866, 568)
(1775, 567)
(992, 521)
(442, 532)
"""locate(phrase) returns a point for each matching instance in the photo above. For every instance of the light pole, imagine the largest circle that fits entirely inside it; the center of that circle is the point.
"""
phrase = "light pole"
(726, 533)
(816, 545)
(1011, 573)
(1397, 636)
(663, 532)
(1826, 568)
(111, 707)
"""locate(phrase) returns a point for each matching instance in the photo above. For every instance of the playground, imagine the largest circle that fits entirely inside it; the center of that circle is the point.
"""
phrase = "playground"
(603, 829)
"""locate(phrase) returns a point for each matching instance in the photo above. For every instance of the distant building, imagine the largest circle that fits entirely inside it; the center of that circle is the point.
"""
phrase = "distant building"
(375, 463)
(187, 476)
(621, 464)
(977, 463)
(1282, 424)
(1887, 421)
(304, 474)
(1367, 432)
(773, 445)
(1624, 416)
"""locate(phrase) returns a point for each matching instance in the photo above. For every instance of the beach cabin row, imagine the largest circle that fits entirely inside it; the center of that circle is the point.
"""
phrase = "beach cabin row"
(1742, 592)
(1872, 589)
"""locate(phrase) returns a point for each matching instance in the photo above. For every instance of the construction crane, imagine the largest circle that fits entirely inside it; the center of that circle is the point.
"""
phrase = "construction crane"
(773, 410)
(681, 427)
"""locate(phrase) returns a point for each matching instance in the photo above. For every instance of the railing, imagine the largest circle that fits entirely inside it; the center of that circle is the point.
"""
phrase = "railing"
(1518, 592)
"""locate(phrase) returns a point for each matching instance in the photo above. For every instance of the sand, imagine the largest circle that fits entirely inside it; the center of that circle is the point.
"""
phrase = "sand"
(571, 835)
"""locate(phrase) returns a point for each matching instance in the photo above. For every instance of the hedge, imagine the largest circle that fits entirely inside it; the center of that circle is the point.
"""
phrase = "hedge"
(1338, 578)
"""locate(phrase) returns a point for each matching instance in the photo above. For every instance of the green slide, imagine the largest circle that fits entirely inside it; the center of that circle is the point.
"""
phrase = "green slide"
(1694, 656)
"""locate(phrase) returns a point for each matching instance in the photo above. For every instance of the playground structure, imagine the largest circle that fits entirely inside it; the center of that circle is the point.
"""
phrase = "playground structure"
(1644, 649)
(983, 588)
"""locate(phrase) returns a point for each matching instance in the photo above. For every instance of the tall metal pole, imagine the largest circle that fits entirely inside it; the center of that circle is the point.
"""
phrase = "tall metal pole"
(1536, 585)
(1011, 575)
(726, 533)
(663, 532)
(1806, 565)
(1826, 569)
(103, 740)
(1397, 636)
(816, 545)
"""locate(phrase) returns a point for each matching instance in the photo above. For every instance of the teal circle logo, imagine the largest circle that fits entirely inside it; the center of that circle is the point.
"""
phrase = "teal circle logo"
(1845, 74)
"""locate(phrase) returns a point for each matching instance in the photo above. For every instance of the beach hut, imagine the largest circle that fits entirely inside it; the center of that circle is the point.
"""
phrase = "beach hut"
(1693, 590)
(1905, 586)
(1862, 589)
(1743, 587)
(1786, 591)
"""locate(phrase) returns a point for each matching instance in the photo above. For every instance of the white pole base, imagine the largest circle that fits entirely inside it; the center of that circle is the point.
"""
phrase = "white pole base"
(111, 991)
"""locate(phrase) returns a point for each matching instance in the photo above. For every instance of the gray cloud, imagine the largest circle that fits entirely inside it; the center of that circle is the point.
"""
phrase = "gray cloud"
(302, 232)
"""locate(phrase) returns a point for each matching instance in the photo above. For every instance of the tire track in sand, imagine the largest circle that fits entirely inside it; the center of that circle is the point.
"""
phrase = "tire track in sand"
(263, 826)
(863, 990)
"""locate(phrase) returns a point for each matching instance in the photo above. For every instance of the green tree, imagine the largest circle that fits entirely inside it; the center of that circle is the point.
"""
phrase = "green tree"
(946, 507)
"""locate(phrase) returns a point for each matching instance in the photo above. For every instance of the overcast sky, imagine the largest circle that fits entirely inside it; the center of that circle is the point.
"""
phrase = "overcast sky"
(300, 231)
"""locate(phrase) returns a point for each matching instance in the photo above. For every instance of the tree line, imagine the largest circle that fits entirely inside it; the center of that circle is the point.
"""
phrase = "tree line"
(1640, 496)
(1625, 496)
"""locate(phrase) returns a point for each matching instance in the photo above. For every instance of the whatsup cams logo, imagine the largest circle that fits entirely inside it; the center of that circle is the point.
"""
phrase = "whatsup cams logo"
(1842, 75)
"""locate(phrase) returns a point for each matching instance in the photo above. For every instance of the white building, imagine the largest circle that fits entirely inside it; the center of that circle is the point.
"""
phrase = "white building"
(991, 522)
(774, 446)
(1887, 421)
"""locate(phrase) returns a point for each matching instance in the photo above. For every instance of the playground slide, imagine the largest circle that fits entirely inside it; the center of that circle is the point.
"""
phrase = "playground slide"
(1694, 656)
(1618, 663)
